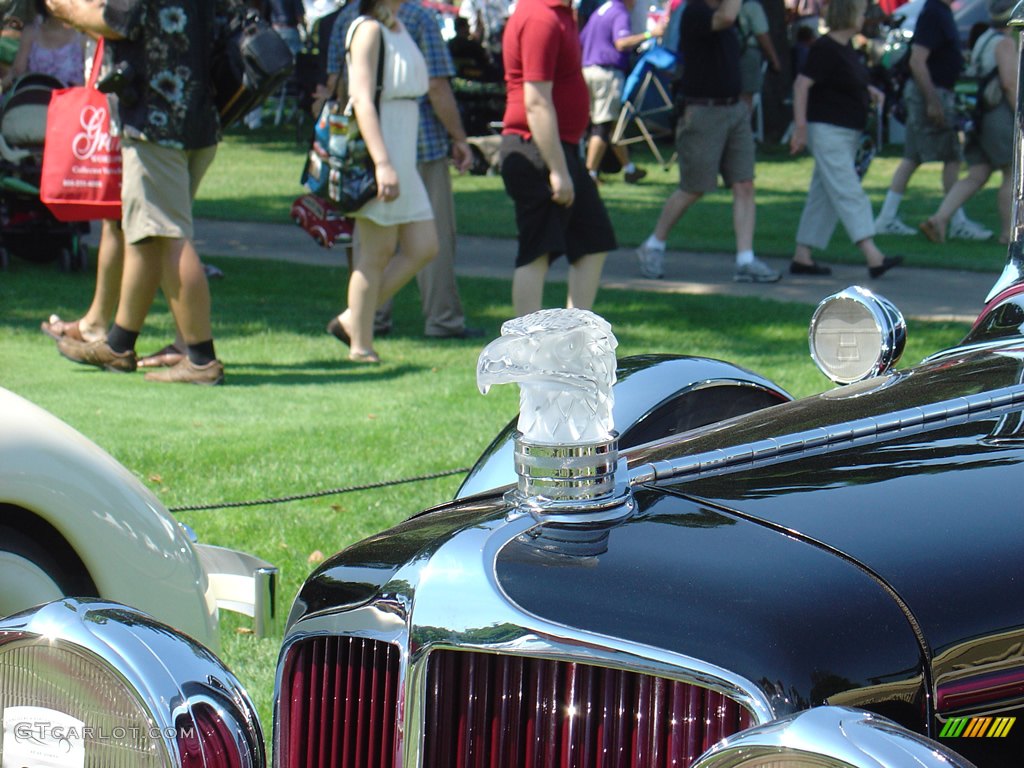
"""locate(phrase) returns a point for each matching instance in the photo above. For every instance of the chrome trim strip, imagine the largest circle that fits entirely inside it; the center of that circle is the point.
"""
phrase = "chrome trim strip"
(418, 611)
(910, 420)
(831, 737)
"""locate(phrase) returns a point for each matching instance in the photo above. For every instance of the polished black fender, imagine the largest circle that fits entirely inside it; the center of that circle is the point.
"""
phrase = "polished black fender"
(655, 396)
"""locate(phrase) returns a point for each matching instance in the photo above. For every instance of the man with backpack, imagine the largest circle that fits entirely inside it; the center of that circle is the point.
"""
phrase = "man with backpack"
(935, 64)
(990, 144)
(755, 46)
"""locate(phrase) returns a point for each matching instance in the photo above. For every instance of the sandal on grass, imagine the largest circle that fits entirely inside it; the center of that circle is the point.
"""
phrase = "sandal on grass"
(58, 329)
(364, 357)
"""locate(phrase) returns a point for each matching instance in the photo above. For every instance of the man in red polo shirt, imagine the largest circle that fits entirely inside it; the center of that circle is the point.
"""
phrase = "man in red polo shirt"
(547, 109)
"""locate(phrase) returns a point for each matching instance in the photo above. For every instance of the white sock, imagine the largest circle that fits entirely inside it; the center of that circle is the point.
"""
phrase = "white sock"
(744, 257)
(629, 167)
(593, 174)
(958, 217)
(655, 243)
(891, 206)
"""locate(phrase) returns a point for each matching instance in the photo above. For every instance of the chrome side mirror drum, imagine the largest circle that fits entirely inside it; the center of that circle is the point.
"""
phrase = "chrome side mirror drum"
(856, 334)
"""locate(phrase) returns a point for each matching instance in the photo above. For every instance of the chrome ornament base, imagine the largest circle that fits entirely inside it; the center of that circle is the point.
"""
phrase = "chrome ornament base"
(574, 481)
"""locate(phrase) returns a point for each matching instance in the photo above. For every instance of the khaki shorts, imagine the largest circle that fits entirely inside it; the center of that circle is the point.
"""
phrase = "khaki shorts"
(713, 140)
(158, 187)
(927, 143)
(605, 86)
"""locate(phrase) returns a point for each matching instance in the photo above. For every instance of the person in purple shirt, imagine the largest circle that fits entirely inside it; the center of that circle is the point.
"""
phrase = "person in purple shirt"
(607, 40)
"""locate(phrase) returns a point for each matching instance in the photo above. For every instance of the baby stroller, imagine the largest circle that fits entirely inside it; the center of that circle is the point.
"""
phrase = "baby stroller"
(27, 228)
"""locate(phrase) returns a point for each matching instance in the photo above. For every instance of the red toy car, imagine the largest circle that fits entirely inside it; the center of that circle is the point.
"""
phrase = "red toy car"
(321, 221)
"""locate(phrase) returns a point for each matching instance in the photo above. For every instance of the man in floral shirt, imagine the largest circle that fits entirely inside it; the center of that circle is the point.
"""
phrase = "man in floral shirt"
(170, 131)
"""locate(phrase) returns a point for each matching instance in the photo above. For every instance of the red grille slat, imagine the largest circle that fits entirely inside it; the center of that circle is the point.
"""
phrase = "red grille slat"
(656, 722)
(500, 720)
(570, 724)
(640, 739)
(341, 707)
(316, 672)
(588, 751)
(694, 705)
(320, 737)
(336, 738)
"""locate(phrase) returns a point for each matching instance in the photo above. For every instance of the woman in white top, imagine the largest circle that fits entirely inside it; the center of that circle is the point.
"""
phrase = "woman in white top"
(395, 234)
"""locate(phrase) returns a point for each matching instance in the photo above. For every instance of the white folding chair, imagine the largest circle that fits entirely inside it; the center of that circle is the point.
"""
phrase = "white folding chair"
(647, 102)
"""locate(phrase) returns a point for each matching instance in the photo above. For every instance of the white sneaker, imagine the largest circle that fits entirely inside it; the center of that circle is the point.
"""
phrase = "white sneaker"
(891, 225)
(969, 230)
(652, 261)
(756, 272)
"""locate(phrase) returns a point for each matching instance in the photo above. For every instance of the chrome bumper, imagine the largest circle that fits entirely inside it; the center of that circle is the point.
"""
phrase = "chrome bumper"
(242, 583)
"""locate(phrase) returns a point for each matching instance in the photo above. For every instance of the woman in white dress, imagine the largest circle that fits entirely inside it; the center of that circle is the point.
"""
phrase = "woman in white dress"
(395, 232)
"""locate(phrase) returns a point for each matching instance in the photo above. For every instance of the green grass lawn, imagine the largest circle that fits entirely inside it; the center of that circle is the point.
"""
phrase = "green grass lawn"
(233, 191)
(296, 417)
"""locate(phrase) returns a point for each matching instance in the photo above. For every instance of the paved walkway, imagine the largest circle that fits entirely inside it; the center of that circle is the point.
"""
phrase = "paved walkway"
(920, 293)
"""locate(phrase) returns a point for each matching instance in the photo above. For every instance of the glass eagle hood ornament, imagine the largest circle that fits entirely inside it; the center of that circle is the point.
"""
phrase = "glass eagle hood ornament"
(566, 446)
(564, 363)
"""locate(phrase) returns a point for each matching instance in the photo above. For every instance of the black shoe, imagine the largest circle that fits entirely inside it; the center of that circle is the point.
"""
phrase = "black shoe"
(634, 176)
(814, 268)
(887, 263)
(465, 333)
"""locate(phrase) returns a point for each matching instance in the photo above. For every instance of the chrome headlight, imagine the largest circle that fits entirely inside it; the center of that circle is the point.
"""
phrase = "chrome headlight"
(829, 737)
(856, 334)
(92, 684)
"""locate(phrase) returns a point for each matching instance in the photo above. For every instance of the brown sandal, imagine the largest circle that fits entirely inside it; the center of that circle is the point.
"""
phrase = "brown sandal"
(59, 329)
(932, 232)
(335, 328)
(167, 357)
(364, 357)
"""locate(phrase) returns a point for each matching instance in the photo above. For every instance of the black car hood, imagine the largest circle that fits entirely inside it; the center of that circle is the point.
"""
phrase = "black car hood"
(688, 578)
(935, 512)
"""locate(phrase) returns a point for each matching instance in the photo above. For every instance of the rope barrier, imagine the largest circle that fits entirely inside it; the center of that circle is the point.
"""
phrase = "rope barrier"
(319, 494)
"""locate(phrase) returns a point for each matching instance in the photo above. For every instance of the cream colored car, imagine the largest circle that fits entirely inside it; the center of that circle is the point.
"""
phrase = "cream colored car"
(73, 521)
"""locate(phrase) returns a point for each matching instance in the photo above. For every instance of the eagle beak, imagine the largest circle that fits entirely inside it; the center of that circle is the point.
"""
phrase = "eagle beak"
(496, 364)
(506, 361)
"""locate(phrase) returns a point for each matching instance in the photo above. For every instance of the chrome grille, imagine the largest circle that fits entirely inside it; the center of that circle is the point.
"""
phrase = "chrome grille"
(491, 710)
(340, 707)
(339, 704)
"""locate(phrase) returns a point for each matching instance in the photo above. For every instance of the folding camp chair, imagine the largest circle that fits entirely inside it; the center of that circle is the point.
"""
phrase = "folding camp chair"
(647, 103)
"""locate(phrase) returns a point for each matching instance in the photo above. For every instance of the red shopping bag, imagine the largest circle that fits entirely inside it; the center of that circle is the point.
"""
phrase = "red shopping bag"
(81, 174)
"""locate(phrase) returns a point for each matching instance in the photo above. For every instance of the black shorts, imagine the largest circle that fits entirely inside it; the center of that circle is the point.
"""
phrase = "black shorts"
(545, 227)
